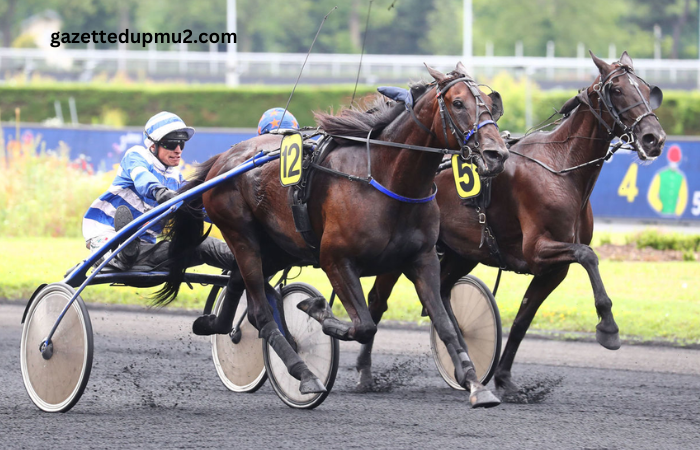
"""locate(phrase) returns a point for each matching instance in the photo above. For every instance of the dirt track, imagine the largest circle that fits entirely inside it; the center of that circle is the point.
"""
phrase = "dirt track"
(153, 385)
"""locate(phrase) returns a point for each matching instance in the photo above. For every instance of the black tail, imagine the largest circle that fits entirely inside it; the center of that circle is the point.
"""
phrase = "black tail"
(185, 231)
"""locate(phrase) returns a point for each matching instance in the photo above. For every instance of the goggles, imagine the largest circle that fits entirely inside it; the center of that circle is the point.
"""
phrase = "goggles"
(172, 144)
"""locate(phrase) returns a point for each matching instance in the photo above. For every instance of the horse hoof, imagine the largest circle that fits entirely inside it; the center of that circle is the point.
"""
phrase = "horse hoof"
(316, 307)
(365, 381)
(205, 326)
(611, 341)
(506, 386)
(311, 385)
(483, 398)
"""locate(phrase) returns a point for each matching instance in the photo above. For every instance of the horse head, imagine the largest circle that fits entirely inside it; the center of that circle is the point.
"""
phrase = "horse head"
(631, 101)
(471, 116)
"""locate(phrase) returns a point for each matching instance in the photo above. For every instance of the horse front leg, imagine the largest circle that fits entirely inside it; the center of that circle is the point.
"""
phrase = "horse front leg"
(345, 280)
(548, 255)
(425, 275)
(452, 268)
(539, 289)
(377, 302)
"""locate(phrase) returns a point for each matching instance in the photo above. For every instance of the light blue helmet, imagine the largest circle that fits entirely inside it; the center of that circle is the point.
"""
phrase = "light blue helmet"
(270, 120)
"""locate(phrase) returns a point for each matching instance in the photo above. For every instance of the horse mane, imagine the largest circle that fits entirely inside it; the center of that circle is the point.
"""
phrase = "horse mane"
(375, 115)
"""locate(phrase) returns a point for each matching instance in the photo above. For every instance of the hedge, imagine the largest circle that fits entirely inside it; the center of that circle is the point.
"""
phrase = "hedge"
(219, 106)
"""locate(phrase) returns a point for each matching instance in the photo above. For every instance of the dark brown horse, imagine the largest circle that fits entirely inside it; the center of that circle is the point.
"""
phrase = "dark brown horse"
(542, 220)
(361, 230)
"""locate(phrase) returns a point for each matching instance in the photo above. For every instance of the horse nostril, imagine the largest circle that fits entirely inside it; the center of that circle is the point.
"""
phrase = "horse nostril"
(649, 140)
(493, 154)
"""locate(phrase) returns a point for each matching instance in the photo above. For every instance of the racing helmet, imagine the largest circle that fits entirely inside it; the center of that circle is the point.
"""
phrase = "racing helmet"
(165, 124)
(270, 120)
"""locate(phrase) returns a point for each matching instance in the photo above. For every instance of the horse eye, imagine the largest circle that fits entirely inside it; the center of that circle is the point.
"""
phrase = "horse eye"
(458, 103)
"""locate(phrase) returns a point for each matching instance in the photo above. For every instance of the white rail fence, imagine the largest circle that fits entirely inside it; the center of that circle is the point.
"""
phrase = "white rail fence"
(82, 65)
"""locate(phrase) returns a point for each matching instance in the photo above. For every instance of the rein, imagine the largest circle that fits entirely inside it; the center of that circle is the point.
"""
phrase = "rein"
(627, 138)
(608, 155)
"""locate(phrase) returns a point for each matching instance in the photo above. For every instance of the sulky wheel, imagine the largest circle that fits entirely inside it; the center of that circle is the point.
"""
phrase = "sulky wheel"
(319, 351)
(56, 379)
(238, 356)
(479, 321)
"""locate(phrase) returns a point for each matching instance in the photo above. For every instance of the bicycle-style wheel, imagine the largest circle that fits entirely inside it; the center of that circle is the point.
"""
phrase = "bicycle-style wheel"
(56, 382)
(319, 351)
(479, 322)
(238, 358)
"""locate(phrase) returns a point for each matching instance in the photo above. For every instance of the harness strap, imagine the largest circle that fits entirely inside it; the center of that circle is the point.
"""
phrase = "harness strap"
(401, 198)
(442, 151)
(478, 127)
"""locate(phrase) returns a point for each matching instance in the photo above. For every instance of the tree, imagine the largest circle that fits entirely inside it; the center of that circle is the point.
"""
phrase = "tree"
(672, 16)
(595, 23)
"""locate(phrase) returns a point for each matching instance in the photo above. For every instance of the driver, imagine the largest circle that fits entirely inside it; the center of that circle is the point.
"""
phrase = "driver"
(148, 176)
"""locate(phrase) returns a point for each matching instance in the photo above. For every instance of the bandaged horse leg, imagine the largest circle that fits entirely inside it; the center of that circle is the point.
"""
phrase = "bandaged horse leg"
(425, 273)
(261, 317)
(377, 303)
(310, 384)
(345, 281)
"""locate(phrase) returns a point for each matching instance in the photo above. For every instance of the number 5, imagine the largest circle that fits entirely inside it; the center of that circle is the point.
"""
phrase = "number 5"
(696, 204)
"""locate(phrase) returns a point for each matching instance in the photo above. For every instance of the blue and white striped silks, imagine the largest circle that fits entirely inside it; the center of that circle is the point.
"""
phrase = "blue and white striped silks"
(139, 174)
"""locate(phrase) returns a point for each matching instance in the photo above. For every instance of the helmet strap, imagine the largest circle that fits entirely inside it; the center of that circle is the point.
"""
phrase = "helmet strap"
(154, 152)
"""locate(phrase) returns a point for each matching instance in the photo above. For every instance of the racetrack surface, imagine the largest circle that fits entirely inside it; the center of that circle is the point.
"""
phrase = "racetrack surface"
(153, 385)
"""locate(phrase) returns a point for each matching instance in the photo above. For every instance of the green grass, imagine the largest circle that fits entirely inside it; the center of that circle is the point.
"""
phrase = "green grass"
(650, 300)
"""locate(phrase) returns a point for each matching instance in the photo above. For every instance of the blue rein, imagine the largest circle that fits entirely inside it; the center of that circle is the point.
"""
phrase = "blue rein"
(473, 131)
(401, 198)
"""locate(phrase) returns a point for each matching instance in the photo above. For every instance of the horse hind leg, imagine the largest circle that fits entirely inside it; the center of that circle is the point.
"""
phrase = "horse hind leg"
(261, 317)
(209, 324)
(539, 289)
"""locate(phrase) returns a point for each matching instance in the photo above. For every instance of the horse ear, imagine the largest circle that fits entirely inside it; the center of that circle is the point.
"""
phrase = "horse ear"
(496, 105)
(436, 74)
(461, 69)
(625, 59)
(569, 106)
(655, 97)
(603, 67)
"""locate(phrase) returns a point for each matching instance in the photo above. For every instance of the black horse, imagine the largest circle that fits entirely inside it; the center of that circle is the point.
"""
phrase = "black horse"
(361, 226)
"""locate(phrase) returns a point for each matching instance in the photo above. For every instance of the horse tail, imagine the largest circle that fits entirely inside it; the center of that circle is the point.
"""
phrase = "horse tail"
(185, 231)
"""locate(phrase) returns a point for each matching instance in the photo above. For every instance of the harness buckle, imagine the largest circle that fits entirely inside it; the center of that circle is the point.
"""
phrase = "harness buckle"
(627, 138)
(482, 218)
